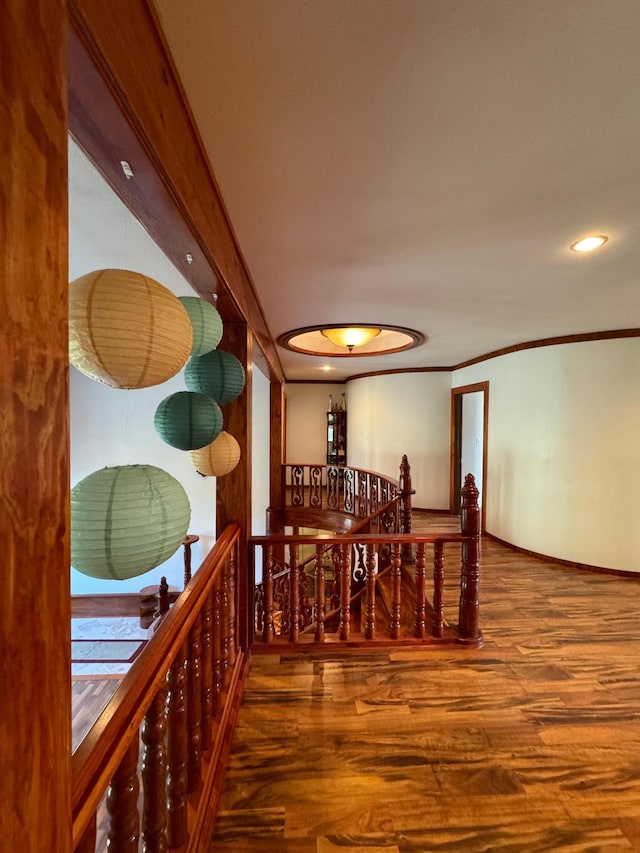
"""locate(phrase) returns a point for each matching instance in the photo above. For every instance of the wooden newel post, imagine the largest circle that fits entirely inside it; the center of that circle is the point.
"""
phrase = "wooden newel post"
(469, 616)
(405, 491)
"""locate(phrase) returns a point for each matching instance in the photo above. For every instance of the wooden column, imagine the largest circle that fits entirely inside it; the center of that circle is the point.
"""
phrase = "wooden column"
(35, 736)
(233, 492)
(275, 512)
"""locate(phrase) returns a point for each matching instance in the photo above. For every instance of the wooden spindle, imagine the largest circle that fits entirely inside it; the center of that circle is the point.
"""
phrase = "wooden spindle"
(396, 583)
(405, 491)
(177, 831)
(421, 614)
(154, 776)
(194, 706)
(163, 599)
(206, 687)
(231, 567)
(187, 543)
(226, 623)
(318, 604)
(469, 613)
(345, 592)
(294, 594)
(370, 593)
(268, 632)
(122, 804)
(87, 843)
(438, 591)
(216, 650)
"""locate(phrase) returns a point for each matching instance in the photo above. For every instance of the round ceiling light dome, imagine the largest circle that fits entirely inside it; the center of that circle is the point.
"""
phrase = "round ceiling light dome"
(345, 340)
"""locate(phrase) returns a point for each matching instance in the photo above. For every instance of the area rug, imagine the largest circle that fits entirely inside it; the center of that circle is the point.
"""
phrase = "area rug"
(106, 651)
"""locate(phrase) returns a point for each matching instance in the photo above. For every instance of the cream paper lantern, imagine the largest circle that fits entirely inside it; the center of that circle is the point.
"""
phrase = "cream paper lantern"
(218, 458)
(126, 329)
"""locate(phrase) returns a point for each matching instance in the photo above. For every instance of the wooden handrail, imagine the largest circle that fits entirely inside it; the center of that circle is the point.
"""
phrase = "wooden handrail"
(98, 757)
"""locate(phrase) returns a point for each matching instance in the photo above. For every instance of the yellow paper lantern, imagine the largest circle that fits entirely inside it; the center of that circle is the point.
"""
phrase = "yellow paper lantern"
(218, 458)
(126, 329)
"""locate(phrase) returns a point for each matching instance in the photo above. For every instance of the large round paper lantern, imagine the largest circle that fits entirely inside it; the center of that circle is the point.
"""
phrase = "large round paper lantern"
(218, 374)
(205, 322)
(126, 520)
(218, 458)
(187, 420)
(126, 329)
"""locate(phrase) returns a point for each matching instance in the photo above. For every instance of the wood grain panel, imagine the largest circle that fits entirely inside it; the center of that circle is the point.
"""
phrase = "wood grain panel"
(149, 95)
(35, 736)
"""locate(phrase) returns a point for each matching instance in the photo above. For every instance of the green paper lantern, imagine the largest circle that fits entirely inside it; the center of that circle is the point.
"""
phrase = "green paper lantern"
(218, 374)
(205, 322)
(187, 420)
(126, 520)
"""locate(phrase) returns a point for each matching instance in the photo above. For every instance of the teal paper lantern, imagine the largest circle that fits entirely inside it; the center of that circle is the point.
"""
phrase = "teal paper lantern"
(126, 520)
(217, 374)
(187, 420)
(205, 322)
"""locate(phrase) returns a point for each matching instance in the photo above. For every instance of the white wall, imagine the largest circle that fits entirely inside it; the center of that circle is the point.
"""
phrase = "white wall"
(307, 406)
(403, 413)
(472, 433)
(387, 417)
(113, 427)
(564, 450)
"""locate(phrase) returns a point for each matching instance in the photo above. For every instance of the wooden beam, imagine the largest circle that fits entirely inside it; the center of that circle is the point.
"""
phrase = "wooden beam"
(35, 736)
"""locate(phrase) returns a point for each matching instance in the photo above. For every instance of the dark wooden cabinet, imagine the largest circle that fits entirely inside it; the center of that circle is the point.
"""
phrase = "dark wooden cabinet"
(337, 438)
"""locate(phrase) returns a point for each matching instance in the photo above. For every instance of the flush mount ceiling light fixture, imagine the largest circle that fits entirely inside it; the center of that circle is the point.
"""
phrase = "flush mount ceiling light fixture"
(351, 336)
(588, 244)
(351, 340)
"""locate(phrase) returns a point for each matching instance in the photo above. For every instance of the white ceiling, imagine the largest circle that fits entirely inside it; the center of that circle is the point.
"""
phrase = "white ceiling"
(423, 163)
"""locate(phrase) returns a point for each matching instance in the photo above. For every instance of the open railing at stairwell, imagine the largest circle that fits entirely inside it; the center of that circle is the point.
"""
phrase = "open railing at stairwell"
(160, 747)
(372, 572)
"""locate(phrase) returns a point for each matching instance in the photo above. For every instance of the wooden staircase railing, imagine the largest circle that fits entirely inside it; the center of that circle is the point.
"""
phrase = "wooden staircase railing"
(178, 702)
(284, 624)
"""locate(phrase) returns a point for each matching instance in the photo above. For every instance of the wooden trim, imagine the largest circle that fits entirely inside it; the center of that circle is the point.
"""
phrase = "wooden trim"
(118, 106)
(316, 382)
(105, 604)
(434, 511)
(399, 370)
(469, 389)
(571, 564)
(551, 342)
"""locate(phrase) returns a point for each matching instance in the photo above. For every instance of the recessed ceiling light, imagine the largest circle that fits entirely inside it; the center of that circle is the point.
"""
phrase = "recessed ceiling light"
(588, 244)
(327, 367)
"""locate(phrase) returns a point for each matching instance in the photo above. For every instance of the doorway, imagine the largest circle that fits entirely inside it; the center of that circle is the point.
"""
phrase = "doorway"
(469, 441)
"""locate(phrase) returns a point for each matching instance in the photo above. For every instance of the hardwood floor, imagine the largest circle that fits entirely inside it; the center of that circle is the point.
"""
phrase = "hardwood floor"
(528, 744)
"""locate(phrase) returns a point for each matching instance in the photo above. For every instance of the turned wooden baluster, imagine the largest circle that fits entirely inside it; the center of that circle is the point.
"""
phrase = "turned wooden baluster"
(268, 632)
(370, 593)
(194, 705)
(318, 604)
(294, 595)
(438, 583)
(87, 843)
(122, 804)
(421, 614)
(163, 599)
(177, 752)
(216, 650)
(345, 592)
(226, 624)
(396, 583)
(469, 614)
(206, 693)
(405, 491)
(154, 776)
(230, 572)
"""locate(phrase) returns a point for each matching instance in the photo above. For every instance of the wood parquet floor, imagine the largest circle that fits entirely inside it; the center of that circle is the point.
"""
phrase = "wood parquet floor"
(528, 744)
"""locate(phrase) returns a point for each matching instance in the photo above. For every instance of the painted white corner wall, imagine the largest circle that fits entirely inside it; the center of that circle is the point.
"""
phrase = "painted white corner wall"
(403, 413)
(306, 413)
(260, 438)
(113, 427)
(564, 450)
